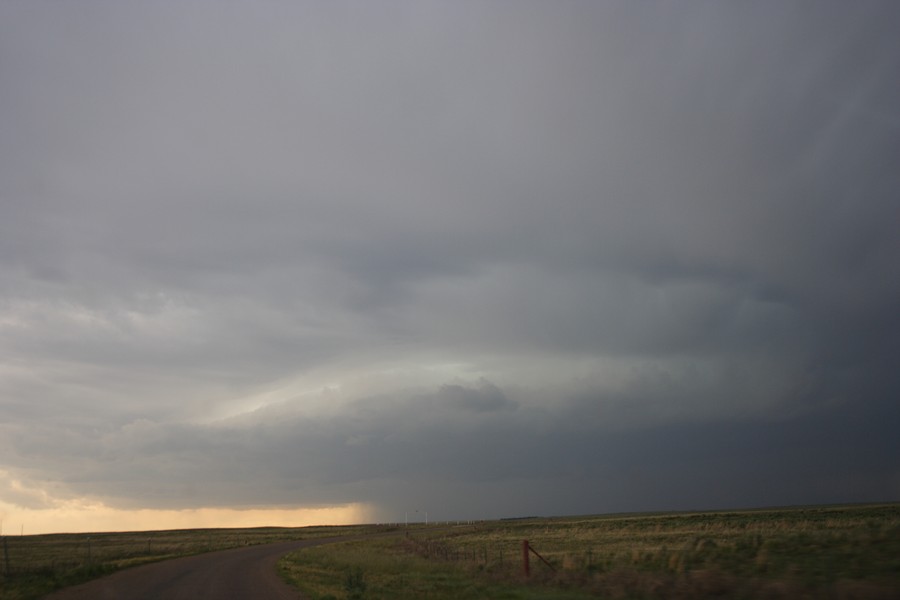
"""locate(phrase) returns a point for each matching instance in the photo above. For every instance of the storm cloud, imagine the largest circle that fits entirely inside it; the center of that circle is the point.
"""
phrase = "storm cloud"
(480, 259)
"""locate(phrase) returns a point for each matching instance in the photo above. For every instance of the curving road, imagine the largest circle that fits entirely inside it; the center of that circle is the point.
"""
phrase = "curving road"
(236, 574)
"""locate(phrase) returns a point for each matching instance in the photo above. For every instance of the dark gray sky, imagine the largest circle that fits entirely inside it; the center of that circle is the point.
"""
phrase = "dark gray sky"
(479, 259)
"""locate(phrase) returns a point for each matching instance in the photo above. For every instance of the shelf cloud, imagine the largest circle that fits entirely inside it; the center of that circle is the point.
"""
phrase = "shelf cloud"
(480, 260)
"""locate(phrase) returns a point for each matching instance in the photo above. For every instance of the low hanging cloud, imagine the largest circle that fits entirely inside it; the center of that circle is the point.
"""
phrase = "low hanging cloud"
(492, 260)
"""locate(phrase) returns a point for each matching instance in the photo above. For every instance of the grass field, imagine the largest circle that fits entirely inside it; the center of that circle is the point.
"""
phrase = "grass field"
(840, 552)
(34, 565)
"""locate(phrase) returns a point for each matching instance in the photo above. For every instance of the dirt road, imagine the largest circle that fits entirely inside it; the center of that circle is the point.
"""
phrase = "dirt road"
(237, 574)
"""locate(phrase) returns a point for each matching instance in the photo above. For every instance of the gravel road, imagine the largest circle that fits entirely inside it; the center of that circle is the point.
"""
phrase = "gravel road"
(236, 574)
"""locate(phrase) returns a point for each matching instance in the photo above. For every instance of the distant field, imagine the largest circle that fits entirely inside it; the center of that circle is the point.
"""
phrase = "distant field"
(34, 565)
(839, 552)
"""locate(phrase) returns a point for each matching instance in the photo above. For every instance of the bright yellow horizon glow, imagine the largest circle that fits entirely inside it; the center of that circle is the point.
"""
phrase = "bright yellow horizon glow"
(85, 516)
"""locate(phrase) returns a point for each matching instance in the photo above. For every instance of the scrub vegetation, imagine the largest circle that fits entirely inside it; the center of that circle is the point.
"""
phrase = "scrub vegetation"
(34, 565)
(837, 552)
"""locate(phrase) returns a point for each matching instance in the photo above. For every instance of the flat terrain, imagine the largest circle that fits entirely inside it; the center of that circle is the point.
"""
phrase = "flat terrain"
(820, 552)
(34, 566)
(237, 574)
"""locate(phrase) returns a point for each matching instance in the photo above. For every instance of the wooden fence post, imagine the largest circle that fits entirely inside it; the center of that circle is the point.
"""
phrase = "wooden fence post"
(525, 566)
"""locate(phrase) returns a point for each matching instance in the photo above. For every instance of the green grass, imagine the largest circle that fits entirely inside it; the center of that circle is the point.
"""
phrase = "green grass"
(837, 552)
(389, 568)
(39, 564)
(840, 552)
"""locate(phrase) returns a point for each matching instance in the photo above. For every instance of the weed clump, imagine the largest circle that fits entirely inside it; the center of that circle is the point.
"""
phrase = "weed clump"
(355, 584)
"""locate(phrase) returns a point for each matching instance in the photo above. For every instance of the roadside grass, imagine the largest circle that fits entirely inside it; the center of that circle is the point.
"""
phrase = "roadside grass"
(386, 568)
(831, 552)
(34, 565)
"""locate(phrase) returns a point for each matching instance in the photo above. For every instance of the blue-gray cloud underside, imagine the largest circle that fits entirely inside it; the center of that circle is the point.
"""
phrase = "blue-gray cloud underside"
(492, 259)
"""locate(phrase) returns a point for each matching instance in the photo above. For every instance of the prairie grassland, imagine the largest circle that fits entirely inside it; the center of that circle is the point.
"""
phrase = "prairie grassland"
(34, 565)
(387, 568)
(839, 552)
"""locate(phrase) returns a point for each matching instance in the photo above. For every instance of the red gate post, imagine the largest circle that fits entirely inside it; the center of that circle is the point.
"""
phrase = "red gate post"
(526, 568)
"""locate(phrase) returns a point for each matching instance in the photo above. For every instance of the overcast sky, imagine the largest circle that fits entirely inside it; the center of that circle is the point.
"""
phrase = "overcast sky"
(262, 261)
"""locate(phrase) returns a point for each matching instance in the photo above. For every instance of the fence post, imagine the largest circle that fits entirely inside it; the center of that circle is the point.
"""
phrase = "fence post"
(525, 566)
(6, 554)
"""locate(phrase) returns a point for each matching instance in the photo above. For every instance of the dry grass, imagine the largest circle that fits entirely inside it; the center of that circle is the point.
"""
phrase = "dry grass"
(840, 553)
